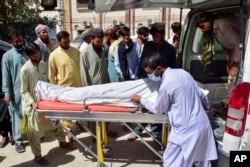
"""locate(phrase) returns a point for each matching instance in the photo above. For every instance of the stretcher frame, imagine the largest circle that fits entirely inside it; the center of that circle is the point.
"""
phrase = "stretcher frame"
(101, 117)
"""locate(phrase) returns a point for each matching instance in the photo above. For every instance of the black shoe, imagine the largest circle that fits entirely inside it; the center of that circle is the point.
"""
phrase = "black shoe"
(19, 148)
(67, 145)
(112, 134)
(4, 142)
(11, 140)
(42, 139)
(41, 161)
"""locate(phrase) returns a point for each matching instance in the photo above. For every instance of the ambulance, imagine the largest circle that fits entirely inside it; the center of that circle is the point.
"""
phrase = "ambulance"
(235, 134)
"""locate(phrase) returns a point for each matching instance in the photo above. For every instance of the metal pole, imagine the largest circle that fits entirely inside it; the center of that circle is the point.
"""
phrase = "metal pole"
(242, 39)
(133, 21)
(169, 18)
(181, 15)
(100, 21)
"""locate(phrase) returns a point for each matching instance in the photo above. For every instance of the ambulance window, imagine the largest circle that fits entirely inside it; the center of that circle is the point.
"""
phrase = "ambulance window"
(197, 44)
(217, 71)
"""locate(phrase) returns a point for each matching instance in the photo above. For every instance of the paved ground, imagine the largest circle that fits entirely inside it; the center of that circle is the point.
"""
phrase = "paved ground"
(123, 153)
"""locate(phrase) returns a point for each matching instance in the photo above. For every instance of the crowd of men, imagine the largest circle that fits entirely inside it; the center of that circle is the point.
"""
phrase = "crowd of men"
(103, 57)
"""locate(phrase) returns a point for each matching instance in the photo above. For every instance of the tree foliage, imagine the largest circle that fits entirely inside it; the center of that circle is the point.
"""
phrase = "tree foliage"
(23, 15)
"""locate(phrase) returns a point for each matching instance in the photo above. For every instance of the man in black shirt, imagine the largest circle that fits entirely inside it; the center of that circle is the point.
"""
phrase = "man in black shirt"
(167, 50)
(158, 45)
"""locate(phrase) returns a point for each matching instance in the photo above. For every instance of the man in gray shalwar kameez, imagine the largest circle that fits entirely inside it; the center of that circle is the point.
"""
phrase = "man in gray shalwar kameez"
(12, 62)
(44, 42)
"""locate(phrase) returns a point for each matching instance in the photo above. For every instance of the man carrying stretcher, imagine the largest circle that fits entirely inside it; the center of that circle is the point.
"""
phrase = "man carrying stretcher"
(31, 72)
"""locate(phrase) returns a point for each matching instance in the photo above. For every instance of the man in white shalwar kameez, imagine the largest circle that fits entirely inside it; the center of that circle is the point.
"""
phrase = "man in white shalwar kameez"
(31, 72)
(191, 141)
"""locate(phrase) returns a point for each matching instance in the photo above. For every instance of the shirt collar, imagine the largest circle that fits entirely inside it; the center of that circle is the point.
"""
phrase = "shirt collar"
(166, 72)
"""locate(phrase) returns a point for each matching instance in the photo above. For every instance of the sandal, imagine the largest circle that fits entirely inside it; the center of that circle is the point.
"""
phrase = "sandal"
(70, 137)
(65, 144)
(41, 161)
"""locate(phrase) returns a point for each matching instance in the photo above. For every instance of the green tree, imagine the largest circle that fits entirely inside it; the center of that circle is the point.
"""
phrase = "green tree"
(23, 15)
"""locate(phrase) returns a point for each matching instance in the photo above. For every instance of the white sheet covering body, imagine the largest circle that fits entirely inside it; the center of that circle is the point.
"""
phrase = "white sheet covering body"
(122, 91)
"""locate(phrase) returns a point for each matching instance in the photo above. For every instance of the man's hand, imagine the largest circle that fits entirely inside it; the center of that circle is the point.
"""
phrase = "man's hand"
(211, 109)
(7, 99)
(135, 98)
(34, 105)
(232, 71)
(232, 68)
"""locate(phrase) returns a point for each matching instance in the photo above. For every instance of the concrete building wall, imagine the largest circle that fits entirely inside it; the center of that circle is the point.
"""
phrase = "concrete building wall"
(76, 19)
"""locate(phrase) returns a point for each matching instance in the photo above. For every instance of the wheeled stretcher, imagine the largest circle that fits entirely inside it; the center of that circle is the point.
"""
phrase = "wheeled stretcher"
(100, 114)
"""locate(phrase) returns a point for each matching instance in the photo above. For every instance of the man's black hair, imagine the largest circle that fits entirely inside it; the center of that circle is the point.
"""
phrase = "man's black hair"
(176, 38)
(176, 27)
(154, 60)
(142, 30)
(31, 48)
(158, 27)
(14, 32)
(204, 17)
(124, 30)
(62, 34)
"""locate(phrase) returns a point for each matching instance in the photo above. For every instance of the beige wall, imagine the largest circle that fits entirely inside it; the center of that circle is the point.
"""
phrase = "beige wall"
(73, 18)
(67, 14)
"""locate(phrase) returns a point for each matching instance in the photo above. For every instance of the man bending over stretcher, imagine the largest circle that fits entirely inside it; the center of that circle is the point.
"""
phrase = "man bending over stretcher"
(191, 141)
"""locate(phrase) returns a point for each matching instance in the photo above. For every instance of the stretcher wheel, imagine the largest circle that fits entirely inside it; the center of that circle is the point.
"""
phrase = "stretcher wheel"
(102, 165)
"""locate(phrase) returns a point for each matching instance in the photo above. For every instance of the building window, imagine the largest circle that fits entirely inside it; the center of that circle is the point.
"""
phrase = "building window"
(82, 4)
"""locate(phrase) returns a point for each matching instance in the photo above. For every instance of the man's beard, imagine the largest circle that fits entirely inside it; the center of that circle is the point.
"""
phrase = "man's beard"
(19, 48)
(65, 47)
(45, 40)
(108, 42)
(35, 62)
(98, 49)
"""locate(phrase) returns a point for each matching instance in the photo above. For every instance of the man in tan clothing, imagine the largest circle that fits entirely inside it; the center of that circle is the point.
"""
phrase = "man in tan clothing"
(226, 31)
(31, 72)
(64, 68)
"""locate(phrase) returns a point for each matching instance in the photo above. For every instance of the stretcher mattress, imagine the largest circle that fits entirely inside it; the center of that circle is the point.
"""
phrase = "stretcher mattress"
(62, 106)
(97, 112)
